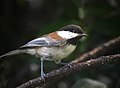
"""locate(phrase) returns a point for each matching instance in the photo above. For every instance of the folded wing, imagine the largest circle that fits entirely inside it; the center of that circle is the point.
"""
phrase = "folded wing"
(43, 42)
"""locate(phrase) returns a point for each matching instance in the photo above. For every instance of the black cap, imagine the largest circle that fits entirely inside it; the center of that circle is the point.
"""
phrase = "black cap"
(72, 28)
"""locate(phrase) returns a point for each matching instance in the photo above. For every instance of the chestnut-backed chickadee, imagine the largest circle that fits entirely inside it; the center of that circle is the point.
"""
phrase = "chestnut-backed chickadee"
(54, 46)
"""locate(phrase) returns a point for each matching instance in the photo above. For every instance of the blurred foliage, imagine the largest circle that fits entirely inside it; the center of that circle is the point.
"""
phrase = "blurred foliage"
(23, 20)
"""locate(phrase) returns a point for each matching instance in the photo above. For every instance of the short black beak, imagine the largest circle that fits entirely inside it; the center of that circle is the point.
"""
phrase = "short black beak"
(84, 34)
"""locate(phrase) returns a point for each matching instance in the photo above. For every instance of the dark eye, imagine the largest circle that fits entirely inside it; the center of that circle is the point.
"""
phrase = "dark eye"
(74, 31)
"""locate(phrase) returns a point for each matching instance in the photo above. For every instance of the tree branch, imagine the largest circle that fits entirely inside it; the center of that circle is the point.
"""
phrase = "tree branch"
(66, 70)
(99, 50)
(77, 65)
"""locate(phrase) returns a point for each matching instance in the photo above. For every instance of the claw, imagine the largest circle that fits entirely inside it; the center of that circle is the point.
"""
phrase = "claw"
(62, 63)
(70, 65)
(43, 76)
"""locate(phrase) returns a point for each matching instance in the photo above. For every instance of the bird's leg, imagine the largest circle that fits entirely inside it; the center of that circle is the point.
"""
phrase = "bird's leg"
(63, 63)
(42, 68)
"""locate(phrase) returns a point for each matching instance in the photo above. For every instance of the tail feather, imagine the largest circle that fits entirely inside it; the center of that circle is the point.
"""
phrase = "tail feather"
(11, 53)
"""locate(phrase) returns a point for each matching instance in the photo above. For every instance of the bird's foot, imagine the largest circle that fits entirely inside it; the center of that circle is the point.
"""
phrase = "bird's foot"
(70, 65)
(43, 76)
(66, 64)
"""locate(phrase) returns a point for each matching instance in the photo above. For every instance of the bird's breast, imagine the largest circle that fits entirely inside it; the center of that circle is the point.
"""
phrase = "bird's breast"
(64, 52)
(56, 53)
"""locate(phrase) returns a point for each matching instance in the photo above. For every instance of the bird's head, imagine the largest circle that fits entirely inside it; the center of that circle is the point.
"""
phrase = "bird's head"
(71, 31)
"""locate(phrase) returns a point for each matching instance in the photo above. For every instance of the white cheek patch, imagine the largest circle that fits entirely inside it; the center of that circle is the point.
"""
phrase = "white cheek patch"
(67, 34)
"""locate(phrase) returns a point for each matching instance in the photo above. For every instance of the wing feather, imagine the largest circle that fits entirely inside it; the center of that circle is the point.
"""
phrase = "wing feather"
(42, 41)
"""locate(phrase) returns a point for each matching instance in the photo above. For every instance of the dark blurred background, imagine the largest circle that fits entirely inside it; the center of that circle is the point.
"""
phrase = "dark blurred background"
(23, 20)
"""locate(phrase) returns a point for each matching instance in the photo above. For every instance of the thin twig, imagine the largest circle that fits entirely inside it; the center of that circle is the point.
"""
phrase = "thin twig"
(99, 50)
(66, 70)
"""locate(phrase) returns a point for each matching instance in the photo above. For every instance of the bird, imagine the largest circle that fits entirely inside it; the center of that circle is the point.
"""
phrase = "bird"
(54, 46)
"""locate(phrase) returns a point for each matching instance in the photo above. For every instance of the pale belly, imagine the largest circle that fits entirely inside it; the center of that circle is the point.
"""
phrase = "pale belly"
(54, 53)
(62, 53)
